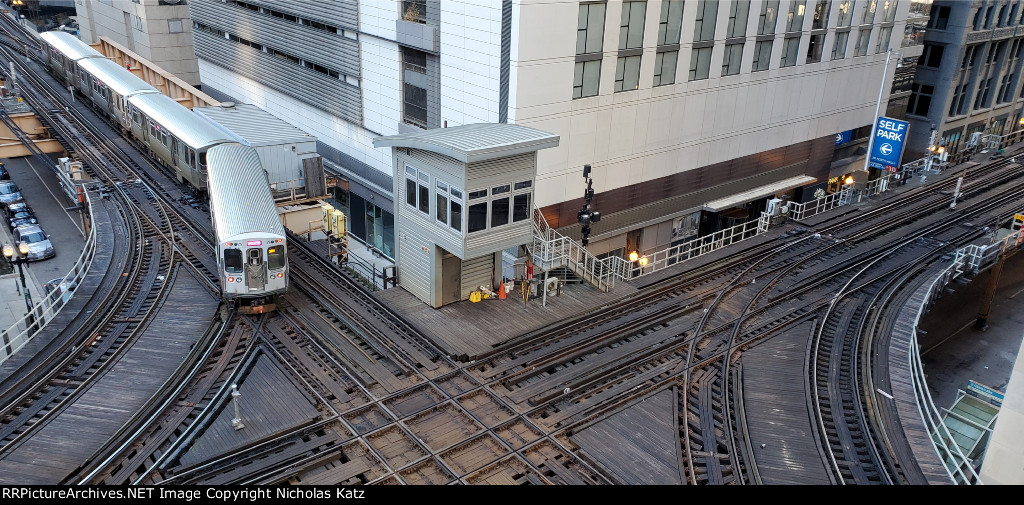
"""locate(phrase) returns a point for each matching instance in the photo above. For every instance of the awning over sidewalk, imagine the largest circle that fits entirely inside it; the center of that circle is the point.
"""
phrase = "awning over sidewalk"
(758, 192)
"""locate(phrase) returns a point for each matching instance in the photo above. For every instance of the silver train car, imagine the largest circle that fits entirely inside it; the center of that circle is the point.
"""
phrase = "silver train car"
(175, 136)
(109, 87)
(252, 258)
(251, 241)
(63, 52)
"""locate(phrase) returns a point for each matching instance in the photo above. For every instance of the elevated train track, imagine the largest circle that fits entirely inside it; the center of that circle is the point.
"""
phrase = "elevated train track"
(371, 401)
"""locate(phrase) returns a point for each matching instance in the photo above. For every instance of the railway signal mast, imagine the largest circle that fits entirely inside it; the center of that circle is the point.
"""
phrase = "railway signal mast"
(587, 216)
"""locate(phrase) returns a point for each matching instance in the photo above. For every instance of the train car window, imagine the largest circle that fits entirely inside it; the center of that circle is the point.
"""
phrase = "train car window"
(275, 257)
(255, 256)
(202, 160)
(232, 261)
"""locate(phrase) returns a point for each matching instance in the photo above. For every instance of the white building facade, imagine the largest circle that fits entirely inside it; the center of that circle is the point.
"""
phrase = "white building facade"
(673, 103)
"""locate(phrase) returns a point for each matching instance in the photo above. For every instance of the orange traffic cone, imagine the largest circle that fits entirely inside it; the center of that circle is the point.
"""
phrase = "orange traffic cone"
(501, 290)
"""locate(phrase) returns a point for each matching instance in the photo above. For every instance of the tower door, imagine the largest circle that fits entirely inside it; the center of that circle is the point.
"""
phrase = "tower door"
(255, 269)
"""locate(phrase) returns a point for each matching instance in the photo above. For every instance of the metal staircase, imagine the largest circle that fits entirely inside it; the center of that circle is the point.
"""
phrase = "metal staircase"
(551, 250)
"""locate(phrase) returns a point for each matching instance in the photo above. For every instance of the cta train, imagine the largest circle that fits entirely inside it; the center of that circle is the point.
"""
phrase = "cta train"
(250, 240)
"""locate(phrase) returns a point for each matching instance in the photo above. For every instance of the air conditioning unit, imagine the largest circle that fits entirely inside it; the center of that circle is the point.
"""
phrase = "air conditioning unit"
(774, 207)
(975, 138)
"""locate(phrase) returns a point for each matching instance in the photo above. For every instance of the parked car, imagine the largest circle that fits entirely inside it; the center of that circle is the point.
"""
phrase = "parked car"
(19, 213)
(4, 174)
(39, 246)
(10, 193)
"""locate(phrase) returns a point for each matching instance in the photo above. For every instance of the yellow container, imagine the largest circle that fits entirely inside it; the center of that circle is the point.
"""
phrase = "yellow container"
(325, 213)
(338, 223)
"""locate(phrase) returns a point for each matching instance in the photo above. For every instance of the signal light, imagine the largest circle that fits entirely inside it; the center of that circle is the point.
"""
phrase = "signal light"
(643, 261)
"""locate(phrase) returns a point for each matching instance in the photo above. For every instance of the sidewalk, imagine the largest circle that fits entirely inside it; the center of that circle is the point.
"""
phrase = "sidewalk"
(12, 298)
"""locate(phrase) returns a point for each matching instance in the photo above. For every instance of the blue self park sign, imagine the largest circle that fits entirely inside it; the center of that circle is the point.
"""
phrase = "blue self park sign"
(887, 143)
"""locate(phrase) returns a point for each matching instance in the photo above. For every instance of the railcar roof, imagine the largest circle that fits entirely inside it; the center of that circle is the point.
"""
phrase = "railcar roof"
(70, 46)
(116, 77)
(240, 197)
(187, 126)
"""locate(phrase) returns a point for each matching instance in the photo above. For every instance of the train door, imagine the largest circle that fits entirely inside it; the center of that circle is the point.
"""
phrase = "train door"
(255, 269)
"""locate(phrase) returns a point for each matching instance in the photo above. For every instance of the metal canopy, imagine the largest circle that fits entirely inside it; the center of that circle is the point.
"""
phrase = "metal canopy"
(758, 192)
(474, 142)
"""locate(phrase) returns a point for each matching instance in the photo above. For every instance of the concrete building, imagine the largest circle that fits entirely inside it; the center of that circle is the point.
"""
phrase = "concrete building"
(157, 30)
(968, 77)
(675, 104)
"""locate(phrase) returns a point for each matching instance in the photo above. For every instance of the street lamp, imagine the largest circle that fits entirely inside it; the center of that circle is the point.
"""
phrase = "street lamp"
(20, 259)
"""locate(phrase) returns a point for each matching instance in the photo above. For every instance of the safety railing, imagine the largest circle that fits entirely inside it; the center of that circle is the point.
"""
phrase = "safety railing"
(971, 258)
(700, 246)
(800, 211)
(553, 250)
(24, 330)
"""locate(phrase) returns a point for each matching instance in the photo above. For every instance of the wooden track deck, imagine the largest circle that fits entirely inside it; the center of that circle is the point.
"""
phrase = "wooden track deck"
(269, 404)
(59, 447)
(904, 394)
(75, 313)
(775, 399)
(468, 330)
(639, 444)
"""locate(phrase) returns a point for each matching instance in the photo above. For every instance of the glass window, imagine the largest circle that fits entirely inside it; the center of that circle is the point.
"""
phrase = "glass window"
(862, 42)
(275, 257)
(456, 193)
(414, 100)
(795, 16)
(821, 10)
(731, 60)
(424, 199)
(884, 34)
(889, 11)
(442, 208)
(737, 19)
(814, 48)
(700, 63)
(410, 192)
(762, 55)
(704, 24)
(790, 48)
(590, 28)
(232, 261)
(845, 15)
(631, 27)
(520, 207)
(499, 212)
(868, 15)
(839, 48)
(497, 190)
(442, 186)
(480, 193)
(523, 185)
(665, 67)
(769, 15)
(671, 23)
(627, 73)
(586, 78)
(456, 222)
(477, 217)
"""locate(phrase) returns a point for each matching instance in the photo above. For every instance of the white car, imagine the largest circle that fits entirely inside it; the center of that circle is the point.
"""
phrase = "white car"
(39, 246)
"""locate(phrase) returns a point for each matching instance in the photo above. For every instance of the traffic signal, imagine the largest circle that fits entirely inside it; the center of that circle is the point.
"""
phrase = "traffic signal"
(586, 216)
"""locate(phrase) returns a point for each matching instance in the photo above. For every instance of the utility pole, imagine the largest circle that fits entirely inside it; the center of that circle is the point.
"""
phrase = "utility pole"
(874, 124)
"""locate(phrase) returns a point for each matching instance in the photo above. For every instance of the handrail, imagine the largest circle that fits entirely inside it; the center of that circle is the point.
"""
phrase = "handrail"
(47, 307)
(968, 258)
